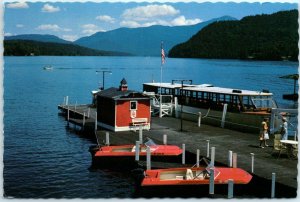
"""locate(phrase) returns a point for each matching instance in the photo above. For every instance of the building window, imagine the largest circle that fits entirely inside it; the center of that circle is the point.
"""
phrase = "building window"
(133, 105)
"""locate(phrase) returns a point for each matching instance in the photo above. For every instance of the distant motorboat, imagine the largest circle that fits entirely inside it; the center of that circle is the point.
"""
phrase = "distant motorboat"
(48, 68)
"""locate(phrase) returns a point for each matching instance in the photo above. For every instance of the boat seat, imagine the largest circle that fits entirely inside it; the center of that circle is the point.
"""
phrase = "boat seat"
(189, 174)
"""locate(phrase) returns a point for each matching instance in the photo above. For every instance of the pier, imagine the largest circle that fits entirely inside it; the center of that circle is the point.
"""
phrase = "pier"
(260, 162)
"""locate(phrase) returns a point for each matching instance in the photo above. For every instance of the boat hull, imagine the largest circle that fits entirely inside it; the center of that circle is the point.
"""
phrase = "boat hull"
(126, 160)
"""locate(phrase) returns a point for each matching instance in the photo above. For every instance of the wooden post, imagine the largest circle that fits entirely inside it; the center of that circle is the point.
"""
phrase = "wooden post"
(273, 185)
(141, 133)
(230, 188)
(230, 159)
(224, 115)
(75, 106)
(183, 153)
(165, 139)
(212, 181)
(148, 158)
(137, 150)
(212, 161)
(234, 158)
(64, 103)
(252, 162)
(107, 138)
(198, 158)
(67, 100)
(199, 119)
(207, 149)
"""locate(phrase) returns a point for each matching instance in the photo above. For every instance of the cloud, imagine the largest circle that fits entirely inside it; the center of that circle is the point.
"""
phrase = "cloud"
(89, 29)
(70, 37)
(130, 24)
(52, 27)
(17, 5)
(8, 34)
(105, 18)
(145, 16)
(143, 13)
(47, 8)
(19, 25)
(179, 21)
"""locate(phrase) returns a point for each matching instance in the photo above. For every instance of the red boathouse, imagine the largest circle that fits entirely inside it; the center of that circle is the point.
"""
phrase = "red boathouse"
(120, 109)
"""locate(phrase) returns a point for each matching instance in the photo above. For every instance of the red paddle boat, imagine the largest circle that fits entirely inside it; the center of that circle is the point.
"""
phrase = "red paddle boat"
(194, 176)
(123, 156)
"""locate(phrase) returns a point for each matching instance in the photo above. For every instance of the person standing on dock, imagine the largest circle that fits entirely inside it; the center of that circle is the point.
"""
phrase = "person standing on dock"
(264, 133)
(284, 129)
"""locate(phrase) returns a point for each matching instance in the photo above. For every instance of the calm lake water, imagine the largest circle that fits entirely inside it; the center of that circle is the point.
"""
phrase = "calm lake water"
(43, 159)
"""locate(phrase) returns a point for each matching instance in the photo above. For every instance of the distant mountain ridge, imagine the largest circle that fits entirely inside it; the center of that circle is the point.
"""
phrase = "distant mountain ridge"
(37, 48)
(38, 37)
(144, 41)
(259, 37)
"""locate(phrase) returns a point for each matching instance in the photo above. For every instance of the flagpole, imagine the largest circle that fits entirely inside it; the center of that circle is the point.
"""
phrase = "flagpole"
(161, 64)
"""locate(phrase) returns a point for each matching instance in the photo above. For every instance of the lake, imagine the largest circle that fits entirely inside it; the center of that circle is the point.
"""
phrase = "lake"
(44, 159)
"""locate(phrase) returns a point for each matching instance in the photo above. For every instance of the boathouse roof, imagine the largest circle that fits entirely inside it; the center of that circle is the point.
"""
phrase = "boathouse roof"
(116, 94)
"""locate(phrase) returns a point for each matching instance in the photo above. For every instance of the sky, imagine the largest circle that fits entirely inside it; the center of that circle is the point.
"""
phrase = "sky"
(73, 20)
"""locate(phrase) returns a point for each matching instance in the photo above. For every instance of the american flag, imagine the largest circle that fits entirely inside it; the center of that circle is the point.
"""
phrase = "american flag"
(162, 55)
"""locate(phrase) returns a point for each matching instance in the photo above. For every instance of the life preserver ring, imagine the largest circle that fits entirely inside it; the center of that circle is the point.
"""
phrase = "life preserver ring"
(133, 114)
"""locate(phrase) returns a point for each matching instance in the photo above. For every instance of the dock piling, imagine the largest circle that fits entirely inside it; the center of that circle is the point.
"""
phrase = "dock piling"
(67, 100)
(230, 188)
(96, 121)
(199, 119)
(212, 161)
(68, 116)
(88, 113)
(141, 134)
(148, 158)
(212, 180)
(165, 139)
(107, 138)
(198, 158)
(229, 158)
(224, 115)
(252, 162)
(273, 185)
(83, 120)
(183, 154)
(176, 107)
(234, 158)
(137, 150)
(207, 151)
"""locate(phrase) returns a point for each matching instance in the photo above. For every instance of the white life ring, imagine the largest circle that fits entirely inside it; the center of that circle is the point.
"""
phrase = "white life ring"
(132, 114)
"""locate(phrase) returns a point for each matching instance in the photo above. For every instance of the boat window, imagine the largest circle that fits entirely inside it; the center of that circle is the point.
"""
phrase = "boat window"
(133, 105)
(263, 102)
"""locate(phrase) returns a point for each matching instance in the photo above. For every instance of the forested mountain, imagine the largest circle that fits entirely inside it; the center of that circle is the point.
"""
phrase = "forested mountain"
(260, 37)
(38, 37)
(143, 41)
(27, 48)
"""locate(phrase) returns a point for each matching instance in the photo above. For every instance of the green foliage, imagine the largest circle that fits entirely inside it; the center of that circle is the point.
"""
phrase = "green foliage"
(27, 47)
(260, 37)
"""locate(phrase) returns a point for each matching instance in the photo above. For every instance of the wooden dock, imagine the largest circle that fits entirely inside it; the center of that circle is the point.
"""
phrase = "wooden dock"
(245, 145)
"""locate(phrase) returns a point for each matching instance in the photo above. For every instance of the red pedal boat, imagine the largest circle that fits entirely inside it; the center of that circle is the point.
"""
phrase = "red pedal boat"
(123, 156)
(194, 176)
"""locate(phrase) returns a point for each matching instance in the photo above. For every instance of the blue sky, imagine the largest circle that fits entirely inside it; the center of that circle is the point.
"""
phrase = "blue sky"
(72, 20)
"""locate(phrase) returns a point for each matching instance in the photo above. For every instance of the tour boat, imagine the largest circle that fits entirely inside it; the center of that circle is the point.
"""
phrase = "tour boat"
(194, 176)
(237, 109)
(123, 156)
